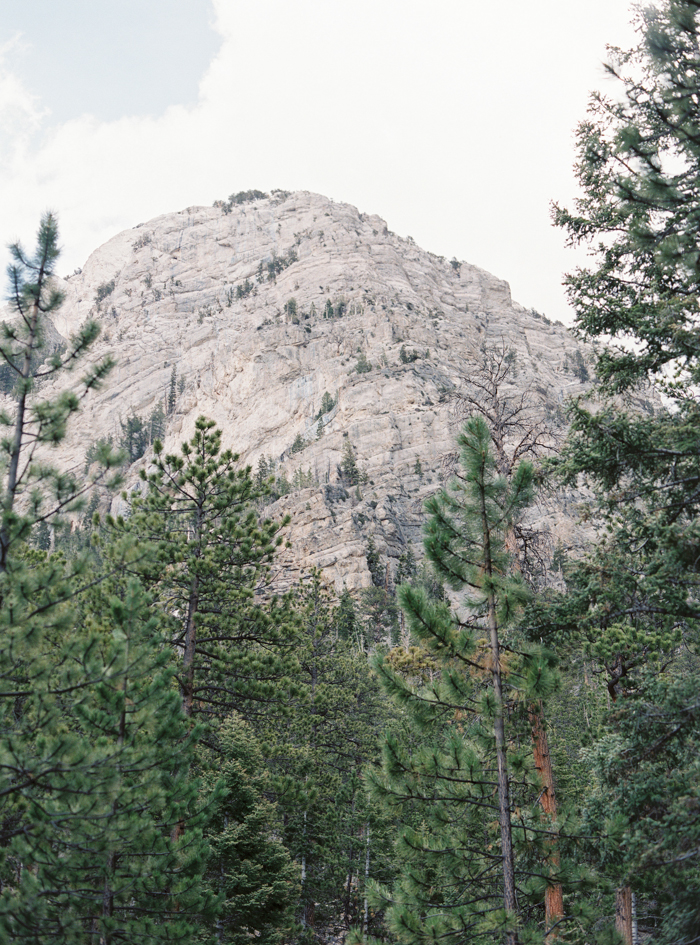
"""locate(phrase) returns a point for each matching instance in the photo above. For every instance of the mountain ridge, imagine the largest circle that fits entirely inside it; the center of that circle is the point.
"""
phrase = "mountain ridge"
(261, 308)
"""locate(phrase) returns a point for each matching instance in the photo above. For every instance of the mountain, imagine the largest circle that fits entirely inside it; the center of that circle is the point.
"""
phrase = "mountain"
(264, 307)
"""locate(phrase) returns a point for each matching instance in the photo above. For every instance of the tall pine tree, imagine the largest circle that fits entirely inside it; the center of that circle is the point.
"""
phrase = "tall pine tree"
(473, 866)
(634, 600)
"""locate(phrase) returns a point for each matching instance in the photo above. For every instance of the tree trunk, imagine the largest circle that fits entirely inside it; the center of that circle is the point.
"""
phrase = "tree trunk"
(365, 921)
(623, 913)
(16, 449)
(187, 683)
(553, 896)
(509, 897)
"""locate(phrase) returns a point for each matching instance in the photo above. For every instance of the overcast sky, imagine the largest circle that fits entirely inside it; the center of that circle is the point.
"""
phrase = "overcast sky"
(453, 119)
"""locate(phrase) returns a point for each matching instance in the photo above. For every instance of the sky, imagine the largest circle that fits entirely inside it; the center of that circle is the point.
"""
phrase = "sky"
(453, 120)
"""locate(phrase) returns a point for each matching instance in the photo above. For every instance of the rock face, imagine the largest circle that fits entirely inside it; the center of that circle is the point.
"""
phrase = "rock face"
(263, 307)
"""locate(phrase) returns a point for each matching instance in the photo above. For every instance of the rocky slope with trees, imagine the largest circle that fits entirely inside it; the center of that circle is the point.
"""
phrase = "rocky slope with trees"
(333, 354)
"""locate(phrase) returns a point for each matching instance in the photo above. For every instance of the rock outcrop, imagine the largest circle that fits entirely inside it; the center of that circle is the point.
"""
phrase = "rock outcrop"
(263, 307)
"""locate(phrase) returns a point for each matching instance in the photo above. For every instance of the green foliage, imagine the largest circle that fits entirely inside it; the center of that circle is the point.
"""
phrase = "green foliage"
(214, 552)
(299, 444)
(172, 400)
(408, 357)
(97, 451)
(350, 472)
(103, 290)
(88, 721)
(270, 270)
(440, 777)
(363, 366)
(329, 825)
(302, 479)
(374, 563)
(632, 606)
(282, 485)
(249, 866)
(139, 433)
(236, 200)
(328, 402)
(244, 289)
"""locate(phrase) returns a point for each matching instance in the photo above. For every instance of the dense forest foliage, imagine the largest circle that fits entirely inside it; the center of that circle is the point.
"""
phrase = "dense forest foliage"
(469, 751)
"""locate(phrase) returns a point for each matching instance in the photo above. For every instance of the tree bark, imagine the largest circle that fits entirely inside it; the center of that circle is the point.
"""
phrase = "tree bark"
(553, 896)
(623, 913)
(187, 684)
(509, 896)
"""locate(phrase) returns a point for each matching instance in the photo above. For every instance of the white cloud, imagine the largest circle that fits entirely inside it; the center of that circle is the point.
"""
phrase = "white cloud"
(454, 124)
(21, 113)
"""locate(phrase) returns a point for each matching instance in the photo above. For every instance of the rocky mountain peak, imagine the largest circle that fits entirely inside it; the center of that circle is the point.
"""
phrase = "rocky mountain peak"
(310, 333)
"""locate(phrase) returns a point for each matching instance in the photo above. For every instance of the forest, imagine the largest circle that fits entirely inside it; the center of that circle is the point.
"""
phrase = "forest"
(492, 744)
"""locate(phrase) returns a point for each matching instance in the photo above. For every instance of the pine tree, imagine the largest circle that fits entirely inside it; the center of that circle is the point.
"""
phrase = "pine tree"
(49, 673)
(462, 875)
(636, 594)
(348, 467)
(250, 867)
(172, 391)
(135, 437)
(317, 763)
(215, 552)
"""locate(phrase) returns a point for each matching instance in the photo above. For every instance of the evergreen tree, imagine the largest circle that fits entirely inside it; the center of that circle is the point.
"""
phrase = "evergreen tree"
(633, 602)
(49, 673)
(348, 468)
(472, 866)
(172, 391)
(156, 423)
(329, 825)
(214, 555)
(249, 867)
(135, 437)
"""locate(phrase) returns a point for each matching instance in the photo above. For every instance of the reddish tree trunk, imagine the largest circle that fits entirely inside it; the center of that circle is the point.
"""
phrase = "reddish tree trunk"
(553, 896)
(623, 913)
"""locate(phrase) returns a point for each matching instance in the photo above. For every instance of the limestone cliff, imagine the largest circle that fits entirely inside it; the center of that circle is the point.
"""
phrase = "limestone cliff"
(264, 306)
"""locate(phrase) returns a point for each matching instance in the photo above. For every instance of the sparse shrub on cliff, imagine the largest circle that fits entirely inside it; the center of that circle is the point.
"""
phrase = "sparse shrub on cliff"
(303, 479)
(244, 289)
(139, 432)
(580, 369)
(539, 316)
(363, 366)
(103, 290)
(172, 394)
(243, 196)
(96, 450)
(141, 241)
(327, 404)
(299, 444)
(273, 267)
(282, 485)
(406, 356)
(349, 470)
(290, 308)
